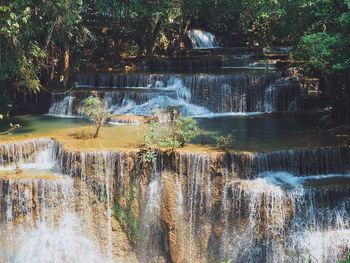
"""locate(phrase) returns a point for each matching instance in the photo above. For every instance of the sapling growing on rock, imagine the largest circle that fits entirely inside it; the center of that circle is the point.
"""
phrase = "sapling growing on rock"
(176, 134)
(95, 109)
(224, 142)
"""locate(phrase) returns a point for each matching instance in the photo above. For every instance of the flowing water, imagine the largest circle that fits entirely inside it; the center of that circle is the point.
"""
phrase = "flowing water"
(47, 216)
(281, 206)
(192, 94)
(202, 39)
(288, 200)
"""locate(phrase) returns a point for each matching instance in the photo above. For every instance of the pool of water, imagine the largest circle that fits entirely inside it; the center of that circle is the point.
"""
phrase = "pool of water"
(41, 124)
(268, 131)
(263, 132)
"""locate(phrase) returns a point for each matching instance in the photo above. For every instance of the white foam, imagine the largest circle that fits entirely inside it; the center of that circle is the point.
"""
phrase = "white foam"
(202, 39)
(288, 179)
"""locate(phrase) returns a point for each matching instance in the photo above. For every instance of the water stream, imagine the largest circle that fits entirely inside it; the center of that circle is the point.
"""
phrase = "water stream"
(282, 206)
(191, 94)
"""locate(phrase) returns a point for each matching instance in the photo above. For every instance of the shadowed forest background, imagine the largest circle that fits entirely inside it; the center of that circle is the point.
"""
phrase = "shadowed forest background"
(42, 43)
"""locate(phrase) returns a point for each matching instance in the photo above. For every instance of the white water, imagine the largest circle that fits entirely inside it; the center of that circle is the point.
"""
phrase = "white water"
(58, 244)
(181, 101)
(297, 223)
(47, 227)
(46, 216)
(150, 221)
(63, 107)
(202, 39)
(194, 95)
(36, 154)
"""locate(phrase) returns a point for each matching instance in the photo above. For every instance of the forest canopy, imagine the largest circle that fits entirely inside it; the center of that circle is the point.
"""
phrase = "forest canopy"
(42, 42)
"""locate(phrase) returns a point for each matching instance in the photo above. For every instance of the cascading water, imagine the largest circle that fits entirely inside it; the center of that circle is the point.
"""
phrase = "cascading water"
(40, 153)
(40, 223)
(195, 95)
(277, 218)
(283, 206)
(202, 39)
(151, 239)
(62, 105)
(47, 216)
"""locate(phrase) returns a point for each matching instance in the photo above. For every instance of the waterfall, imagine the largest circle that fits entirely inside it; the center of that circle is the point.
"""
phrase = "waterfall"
(322, 160)
(202, 39)
(276, 217)
(280, 222)
(40, 223)
(40, 153)
(194, 95)
(281, 206)
(62, 105)
(46, 214)
(151, 239)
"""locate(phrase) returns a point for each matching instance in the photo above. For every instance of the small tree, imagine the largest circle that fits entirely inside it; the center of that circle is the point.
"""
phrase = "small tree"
(224, 142)
(95, 108)
(184, 130)
(174, 135)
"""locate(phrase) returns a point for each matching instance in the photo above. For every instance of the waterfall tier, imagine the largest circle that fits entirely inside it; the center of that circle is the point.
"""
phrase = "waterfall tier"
(283, 206)
(202, 39)
(47, 215)
(194, 95)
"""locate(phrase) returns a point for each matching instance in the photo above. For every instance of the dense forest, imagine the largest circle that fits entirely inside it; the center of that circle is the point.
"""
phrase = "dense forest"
(43, 42)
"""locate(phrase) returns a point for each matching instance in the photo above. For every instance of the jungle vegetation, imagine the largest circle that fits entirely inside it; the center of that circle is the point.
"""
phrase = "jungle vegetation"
(42, 42)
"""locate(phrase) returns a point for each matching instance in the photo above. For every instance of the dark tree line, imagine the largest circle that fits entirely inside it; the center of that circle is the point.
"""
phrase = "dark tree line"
(42, 41)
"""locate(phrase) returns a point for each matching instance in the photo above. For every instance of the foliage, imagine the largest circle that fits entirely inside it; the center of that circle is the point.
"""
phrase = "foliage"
(224, 142)
(35, 37)
(11, 129)
(126, 213)
(184, 130)
(176, 134)
(326, 54)
(347, 260)
(96, 109)
(325, 46)
(148, 156)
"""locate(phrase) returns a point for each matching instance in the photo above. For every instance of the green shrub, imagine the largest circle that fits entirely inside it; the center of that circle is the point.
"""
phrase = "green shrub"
(224, 142)
(148, 156)
(176, 134)
(347, 260)
(126, 213)
(185, 130)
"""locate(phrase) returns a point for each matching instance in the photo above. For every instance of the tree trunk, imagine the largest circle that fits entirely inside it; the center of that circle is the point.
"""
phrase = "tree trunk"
(97, 131)
(183, 31)
(66, 57)
(144, 38)
(152, 42)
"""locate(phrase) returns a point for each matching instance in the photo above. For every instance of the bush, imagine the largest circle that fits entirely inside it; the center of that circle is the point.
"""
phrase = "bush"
(185, 130)
(95, 108)
(224, 142)
(347, 260)
(148, 156)
(176, 134)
